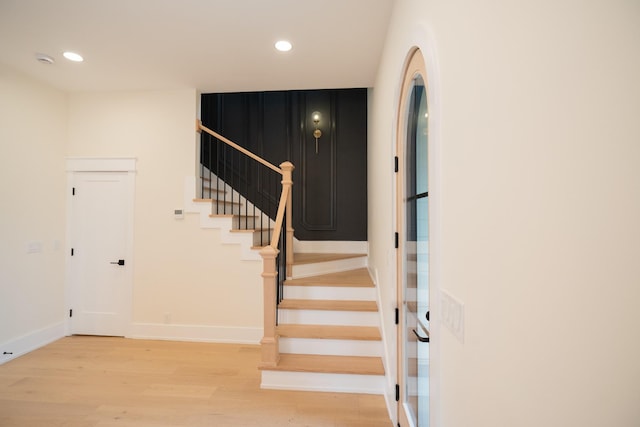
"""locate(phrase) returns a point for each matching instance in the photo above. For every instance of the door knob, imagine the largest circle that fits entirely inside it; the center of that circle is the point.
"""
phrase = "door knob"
(119, 262)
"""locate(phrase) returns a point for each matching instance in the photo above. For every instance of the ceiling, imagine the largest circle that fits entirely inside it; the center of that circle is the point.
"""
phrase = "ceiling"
(210, 45)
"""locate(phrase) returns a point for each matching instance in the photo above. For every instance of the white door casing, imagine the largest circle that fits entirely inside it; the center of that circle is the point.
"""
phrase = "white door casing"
(100, 245)
(413, 250)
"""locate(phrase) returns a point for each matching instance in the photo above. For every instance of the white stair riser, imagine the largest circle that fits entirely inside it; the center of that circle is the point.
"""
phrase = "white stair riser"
(307, 270)
(331, 347)
(262, 238)
(246, 223)
(324, 317)
(329, 293)
(226, 208)
(336, 383)
(213, 194)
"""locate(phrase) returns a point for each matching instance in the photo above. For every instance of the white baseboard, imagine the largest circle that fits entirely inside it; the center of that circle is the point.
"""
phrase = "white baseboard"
(31, 341)
(328, 247)
(392, 405)
(200, 333)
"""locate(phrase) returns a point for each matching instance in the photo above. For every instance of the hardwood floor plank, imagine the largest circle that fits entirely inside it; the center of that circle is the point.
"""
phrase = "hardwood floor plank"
(84, 381)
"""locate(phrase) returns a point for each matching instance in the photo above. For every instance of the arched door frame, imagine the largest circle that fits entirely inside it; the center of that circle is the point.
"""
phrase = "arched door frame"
(415, 65)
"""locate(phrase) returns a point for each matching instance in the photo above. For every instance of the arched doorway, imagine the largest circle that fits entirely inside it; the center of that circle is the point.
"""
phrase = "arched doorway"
(413, 246)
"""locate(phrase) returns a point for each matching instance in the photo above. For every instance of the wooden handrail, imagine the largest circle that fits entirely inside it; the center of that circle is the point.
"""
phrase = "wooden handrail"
(270, 339)
(237, 147)
(287, 182)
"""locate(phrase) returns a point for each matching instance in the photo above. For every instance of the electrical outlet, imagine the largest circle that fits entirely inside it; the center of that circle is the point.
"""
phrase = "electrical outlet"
(452, 314)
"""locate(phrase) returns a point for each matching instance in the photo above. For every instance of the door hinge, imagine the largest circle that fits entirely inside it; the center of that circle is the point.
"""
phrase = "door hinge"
(395, 164)
(397, 240)
(71, 251)
(71, 312)
(73, 191)
(397, 316)
(397, 392)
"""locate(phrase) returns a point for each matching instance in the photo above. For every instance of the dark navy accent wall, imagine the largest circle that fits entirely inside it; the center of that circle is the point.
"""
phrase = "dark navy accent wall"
(330, 187)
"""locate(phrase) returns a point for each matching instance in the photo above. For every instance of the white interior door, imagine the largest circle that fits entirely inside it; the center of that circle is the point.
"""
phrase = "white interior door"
(100, 256)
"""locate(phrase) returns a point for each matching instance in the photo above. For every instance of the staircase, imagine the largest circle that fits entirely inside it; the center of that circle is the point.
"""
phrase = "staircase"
(328, 328)
(238, 224)
(324, 334)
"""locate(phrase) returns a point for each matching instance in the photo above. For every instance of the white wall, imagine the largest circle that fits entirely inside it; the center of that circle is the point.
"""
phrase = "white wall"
(33, 132)
(186, 285)
(534, 109)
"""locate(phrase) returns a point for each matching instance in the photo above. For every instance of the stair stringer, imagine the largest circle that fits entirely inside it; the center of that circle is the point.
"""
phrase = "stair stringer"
(223, 223)
(389, 360)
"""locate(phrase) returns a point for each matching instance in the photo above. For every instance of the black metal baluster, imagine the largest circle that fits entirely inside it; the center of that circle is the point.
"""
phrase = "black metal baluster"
(262, 208)
(210, 166)
(218, 157)
(253, 200)
(246, 188)
(213, 166)
(226, 179)
(205, 159)
(234, 183)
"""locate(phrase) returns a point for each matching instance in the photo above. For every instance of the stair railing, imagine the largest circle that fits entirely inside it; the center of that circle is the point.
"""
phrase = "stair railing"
(277, 255)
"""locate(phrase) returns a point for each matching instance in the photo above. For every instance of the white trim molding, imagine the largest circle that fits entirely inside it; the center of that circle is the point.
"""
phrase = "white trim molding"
(31, 341)
(101, 164)
(198, 333)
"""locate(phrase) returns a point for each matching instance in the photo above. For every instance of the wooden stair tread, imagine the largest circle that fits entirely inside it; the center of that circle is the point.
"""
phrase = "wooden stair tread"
(249, 230)
(229, 215)
(362, 333)
(352, 278)
(227, 202)
(337, 305)
(311, 258)
(358, 365)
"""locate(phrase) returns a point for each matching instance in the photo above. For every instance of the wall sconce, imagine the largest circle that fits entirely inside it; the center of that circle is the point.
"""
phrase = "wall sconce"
(317, 133)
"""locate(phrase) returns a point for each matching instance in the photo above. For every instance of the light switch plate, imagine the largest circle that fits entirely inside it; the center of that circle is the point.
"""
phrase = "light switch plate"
(452, 314)
(34, 247)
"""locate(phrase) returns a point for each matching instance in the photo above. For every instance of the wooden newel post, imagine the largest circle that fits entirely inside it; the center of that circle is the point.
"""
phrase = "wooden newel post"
(287, 180)
(269, 342)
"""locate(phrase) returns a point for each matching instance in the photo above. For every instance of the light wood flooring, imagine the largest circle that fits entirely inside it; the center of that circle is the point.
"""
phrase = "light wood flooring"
(85, 381)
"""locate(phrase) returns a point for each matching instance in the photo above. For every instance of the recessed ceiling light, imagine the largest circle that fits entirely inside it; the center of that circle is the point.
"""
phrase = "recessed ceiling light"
(283, 46)
(72, 56)
(44, 59)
